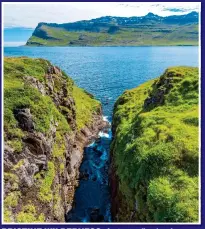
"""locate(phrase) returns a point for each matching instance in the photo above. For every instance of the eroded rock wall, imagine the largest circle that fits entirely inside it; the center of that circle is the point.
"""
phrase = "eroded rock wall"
(41, 175)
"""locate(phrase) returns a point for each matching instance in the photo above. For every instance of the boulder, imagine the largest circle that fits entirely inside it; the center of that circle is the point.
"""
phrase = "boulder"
(24, 118)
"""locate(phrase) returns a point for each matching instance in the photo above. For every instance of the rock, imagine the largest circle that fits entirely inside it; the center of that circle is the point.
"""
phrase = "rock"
(157, 97)
(24, 118)
(35, 156)
(9, 158)
(36, 83)
(95, 215)
(25, 172)
(54, 70)
(84, 176)
(37, 144)
(50, 83)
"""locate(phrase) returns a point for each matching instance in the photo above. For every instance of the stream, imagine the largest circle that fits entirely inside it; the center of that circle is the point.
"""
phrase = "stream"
(92, 197)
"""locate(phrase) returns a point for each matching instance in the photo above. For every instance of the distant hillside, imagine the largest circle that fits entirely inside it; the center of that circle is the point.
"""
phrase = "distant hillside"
(150, 29)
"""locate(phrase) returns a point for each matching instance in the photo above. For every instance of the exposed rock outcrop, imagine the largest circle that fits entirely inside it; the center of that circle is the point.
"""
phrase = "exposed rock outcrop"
(41, 166)
(24, 118)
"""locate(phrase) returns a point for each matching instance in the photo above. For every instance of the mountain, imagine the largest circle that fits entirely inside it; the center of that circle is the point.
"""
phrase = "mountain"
(155, 150)
(150, 29)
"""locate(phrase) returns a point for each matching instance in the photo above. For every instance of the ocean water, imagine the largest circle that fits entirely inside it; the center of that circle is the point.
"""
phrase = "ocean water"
(106, 72)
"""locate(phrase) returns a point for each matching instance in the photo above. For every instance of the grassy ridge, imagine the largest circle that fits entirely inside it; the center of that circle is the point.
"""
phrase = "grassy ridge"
(18, 93)
(156, 148)
(85, 106)
(124, 37)
(120, 31)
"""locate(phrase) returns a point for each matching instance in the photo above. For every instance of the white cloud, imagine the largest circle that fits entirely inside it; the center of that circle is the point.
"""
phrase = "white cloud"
(30, 14)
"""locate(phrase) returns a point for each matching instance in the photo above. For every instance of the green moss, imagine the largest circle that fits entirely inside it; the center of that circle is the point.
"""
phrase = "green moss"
(86, 106)
(11, 177)
(16, 144)
(59, 146)
(18, 165)
(62, 167)
(28, 215)
(57, 201)
(13, 180)
(45, 192)
(151, 144)
(11, 200)
(7, 216)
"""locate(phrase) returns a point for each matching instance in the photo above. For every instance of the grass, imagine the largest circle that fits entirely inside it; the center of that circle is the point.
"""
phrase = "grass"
(86, 106)
(136, 36)
(28, 214)
(156, 148)
(45, 193)
(59, 146)
(19, 93)
(12, 199)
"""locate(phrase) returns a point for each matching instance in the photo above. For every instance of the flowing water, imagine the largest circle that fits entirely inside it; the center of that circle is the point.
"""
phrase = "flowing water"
(105, 72)
(92, 199)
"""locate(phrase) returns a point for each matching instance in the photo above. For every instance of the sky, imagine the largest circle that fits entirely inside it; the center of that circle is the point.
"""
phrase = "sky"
(21, 19)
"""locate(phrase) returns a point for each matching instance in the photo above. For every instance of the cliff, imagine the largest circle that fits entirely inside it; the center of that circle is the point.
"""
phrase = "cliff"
(47, 123)
(150, 29)
(155, 150)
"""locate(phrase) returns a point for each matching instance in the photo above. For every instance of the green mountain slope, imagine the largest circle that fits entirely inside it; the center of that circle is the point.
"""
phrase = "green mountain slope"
(47, 122)
(119, 31)
(155, 150)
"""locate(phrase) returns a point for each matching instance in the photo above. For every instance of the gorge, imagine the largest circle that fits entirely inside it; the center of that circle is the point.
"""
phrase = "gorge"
(48, 122)
(74, 114)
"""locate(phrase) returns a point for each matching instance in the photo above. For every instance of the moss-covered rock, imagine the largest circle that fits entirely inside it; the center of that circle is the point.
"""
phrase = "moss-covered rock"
(155, 151)
(45, 120)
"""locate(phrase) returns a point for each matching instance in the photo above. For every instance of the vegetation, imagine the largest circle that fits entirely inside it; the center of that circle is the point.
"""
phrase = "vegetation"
(20, 93)
(29, 215)
(59, 146)
(120, 31)
(155, 148)
(12, 199)
(85, 105)
(45, 193)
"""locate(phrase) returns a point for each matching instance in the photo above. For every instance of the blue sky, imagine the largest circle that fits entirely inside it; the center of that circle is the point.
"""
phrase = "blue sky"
(21, 19)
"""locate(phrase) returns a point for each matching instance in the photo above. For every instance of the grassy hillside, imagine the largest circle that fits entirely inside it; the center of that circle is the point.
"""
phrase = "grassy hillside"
(118, 31)
(38, 144)
(17, 93)
(155, 149)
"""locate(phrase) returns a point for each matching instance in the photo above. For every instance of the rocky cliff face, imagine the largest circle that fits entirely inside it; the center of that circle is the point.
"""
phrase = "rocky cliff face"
(44, 137)
(155, 150)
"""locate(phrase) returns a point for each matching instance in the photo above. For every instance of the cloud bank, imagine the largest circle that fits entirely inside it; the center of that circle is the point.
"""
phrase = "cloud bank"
(28, 15)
